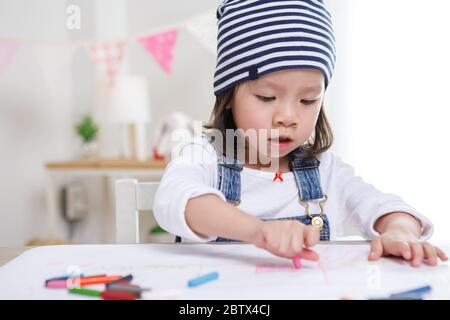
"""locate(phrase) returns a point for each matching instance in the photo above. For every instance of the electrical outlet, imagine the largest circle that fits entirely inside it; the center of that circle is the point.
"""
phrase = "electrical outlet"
(74, 202)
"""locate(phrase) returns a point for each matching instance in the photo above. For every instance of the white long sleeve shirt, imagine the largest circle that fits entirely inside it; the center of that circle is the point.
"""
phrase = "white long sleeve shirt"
(353, 206)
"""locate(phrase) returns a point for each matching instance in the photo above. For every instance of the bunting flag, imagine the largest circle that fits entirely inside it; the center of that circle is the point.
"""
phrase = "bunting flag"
(108, 56)
(7, 51)
(161, 46)
(204, 28)
(54, 60)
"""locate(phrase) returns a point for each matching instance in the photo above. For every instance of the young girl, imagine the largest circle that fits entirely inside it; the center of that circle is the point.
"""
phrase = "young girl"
(275, 61)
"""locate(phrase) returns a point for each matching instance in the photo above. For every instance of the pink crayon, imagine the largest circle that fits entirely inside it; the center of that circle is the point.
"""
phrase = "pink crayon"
(297, 262)
(56, 284)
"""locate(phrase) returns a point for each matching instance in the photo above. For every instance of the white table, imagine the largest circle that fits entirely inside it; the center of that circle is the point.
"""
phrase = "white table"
(246, 272)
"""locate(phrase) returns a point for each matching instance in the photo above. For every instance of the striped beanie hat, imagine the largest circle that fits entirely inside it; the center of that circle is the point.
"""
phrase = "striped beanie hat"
(256, 37)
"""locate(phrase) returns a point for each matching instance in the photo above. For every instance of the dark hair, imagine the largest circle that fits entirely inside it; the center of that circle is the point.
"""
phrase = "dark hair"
(222, 119)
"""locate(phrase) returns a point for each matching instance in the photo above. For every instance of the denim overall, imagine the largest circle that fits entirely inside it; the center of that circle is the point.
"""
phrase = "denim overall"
(307, 178)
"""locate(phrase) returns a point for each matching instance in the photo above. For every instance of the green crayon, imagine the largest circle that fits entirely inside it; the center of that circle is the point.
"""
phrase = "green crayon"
(86, 292)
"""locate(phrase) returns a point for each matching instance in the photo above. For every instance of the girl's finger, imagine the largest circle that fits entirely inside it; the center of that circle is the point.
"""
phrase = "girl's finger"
(376, 249)
(296, 244)
(401, 249)
(311, 236)
(284, 247)
(441, 254)
(430, 254)
(417, 253)
(267, 244)
(275, 247)
(309, 254)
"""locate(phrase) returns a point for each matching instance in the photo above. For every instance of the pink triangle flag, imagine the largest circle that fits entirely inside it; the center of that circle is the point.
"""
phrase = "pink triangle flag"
(7, 51)
(108, 56)
(161, 47)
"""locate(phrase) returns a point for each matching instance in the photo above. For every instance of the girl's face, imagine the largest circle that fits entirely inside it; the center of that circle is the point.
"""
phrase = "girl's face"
(282, 107)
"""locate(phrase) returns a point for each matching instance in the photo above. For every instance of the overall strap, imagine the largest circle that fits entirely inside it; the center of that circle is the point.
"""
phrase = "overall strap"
(307, 176)
(229, 178)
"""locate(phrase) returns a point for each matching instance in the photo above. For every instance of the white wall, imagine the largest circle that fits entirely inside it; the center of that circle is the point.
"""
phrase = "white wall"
(337, 94)
(398, 109)
(36, 125)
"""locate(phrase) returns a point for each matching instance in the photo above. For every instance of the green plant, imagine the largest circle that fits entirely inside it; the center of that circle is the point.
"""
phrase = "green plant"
(87, 129)
(157, 230)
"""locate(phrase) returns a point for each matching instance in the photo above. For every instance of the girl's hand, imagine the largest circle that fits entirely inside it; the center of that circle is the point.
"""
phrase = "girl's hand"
(406, 245)
(287, 239)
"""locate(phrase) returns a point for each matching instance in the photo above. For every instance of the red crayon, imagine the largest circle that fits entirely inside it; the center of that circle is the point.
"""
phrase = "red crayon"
(118, 295)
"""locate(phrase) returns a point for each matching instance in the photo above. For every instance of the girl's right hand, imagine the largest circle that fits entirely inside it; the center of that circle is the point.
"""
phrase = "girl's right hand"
(287, 238)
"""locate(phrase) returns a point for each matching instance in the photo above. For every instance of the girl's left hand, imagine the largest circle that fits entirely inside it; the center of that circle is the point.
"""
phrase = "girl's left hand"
(407, 246)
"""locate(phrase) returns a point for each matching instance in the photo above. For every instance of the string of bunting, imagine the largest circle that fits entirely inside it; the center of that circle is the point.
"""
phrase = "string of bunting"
(108, 55)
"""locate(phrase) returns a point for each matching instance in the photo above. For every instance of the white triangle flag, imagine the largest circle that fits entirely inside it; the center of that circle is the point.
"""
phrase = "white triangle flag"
(54, 60)
(204, 28)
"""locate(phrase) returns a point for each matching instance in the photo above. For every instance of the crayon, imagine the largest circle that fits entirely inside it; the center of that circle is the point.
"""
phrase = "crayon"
(86, 292)
(399, 298)
(65, 277)
(98, 280)
(118, 295)
(80, 281)
(413, 294)
(297, 262)
(203, 279)
(125, 280)
(128, 288)
(418, 292)
(56, 284)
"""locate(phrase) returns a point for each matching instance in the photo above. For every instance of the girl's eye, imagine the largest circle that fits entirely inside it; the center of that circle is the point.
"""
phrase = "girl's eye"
(265, 99)
(308, 102)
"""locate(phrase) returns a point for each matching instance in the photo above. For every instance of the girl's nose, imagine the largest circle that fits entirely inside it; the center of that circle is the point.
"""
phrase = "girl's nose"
(285, 116)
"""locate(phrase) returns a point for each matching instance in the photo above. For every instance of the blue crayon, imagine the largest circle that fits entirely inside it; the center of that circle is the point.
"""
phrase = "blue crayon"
(203, 279)
(416, 297)
(65, 277)
(418, 292)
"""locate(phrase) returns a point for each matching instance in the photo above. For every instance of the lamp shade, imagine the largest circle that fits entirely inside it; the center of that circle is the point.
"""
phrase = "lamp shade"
(125, 102)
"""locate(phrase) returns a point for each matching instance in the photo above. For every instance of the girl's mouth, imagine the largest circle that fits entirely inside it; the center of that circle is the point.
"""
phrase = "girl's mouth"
(281, 142)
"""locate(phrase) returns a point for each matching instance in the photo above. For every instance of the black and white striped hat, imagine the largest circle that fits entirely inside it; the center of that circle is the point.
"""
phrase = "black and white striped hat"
(256, 37)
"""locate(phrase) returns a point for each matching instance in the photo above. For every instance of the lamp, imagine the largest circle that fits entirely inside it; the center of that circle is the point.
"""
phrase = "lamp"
(127, 103)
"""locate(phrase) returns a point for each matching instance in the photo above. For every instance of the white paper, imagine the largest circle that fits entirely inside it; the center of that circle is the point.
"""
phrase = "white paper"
(245, 272)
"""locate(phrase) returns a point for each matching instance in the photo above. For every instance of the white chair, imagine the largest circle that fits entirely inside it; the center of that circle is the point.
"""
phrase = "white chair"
(131, 197)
